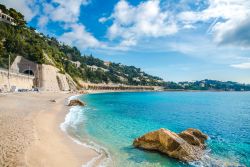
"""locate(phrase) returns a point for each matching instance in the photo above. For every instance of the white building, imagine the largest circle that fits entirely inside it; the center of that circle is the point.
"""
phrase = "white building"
(76, 63)
(6, 18)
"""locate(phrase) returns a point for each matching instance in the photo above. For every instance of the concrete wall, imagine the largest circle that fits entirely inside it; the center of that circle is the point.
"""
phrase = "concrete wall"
(46, 77)
(51, 79)
(15, 80)
(62, 82)
(21, 64)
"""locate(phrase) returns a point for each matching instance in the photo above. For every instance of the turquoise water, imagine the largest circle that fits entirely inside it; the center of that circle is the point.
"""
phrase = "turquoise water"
(114, 120)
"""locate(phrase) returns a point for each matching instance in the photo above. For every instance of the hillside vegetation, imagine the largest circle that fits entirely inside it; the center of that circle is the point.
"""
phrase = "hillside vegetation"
(27, 42)
(208, 85)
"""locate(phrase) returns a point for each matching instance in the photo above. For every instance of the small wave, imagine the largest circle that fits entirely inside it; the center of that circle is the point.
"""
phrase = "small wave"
(71, 98)
(207, 161)
(72, 120)
(104, 157)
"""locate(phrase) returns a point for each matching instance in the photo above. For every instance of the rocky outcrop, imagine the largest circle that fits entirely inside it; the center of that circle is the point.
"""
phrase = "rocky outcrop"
(186, 146)
(75, 102)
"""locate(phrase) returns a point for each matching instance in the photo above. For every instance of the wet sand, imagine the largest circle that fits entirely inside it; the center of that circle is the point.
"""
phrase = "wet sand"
(30, 134)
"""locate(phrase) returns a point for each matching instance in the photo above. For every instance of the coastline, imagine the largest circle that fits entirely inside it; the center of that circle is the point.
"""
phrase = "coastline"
(205, 160)
(31, 134)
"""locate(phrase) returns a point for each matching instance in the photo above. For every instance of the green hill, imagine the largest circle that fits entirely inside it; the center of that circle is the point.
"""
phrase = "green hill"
(208, 85)
(27, 42)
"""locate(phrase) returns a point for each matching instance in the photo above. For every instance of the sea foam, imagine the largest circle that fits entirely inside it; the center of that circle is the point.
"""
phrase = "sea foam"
(208, 160)
(73, 119)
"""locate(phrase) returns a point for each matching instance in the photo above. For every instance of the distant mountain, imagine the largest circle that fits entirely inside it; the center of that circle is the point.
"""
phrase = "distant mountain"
(208, 85)
(19, 39)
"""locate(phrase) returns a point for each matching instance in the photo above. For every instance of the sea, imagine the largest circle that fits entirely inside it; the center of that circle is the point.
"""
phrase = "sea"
(111, 121)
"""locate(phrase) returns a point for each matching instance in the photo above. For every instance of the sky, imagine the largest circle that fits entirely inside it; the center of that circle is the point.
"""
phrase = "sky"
(178, 40)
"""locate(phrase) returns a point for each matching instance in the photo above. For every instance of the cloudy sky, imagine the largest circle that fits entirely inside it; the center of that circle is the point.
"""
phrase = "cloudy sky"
(175, 39)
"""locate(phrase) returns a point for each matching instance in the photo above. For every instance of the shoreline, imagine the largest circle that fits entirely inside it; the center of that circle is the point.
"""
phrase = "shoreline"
(32, 133)
(38, 141)
(68, 127)
(207, 158)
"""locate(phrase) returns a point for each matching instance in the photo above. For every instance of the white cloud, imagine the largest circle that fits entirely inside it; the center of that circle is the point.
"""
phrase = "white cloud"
(131, 23)
(103, 19)
(228, 18)
(64, 10)
(27, 7)
(241, 65)
(68, 12)
(78, 36)
(235, 31)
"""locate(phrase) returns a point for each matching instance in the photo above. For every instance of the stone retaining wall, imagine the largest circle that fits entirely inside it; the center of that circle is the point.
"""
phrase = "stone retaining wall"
(52, 80)
(46, 77)
(15, 80)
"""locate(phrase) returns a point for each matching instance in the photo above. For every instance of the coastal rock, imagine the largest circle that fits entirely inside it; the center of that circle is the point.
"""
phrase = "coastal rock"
(187, 146)
(75, 102)
(194, 137)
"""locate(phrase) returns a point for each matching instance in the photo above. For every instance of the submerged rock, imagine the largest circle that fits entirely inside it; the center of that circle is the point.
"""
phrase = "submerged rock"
(75, 102)
(187, 146)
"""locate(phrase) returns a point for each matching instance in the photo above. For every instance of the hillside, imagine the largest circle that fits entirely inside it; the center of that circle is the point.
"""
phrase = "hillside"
(27, 42)
(208, 85)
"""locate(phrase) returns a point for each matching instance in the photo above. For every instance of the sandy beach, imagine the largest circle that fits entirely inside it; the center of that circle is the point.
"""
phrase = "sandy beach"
(30, 134)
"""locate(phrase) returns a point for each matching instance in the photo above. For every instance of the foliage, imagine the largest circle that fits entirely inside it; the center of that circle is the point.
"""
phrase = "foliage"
(208, 85)
(25, 41)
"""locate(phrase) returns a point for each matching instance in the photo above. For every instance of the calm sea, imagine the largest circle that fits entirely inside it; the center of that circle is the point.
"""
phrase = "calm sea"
(111, 121)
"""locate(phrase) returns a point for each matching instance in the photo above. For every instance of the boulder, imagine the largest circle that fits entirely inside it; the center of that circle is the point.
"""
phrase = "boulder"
(75, 102)
(194, 137)
(187, 146)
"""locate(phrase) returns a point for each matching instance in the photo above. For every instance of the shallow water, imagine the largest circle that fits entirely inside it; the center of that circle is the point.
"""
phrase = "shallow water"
(114, 120)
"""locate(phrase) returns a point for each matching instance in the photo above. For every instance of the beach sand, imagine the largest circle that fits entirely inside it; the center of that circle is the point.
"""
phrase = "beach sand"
(30, 132)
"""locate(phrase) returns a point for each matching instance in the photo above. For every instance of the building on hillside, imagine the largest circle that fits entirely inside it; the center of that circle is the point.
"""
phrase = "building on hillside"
(93, 67)
(202, 85)
(107, 63)
(6, 18)
(76, 63)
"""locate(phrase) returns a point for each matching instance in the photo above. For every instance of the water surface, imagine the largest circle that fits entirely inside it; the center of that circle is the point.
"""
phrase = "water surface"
(114, 120)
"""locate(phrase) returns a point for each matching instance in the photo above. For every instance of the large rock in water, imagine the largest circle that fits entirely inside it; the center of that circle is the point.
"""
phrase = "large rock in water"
(75, 102)
(186, 146)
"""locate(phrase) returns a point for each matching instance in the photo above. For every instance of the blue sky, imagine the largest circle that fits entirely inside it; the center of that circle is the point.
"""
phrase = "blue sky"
(177, 40)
